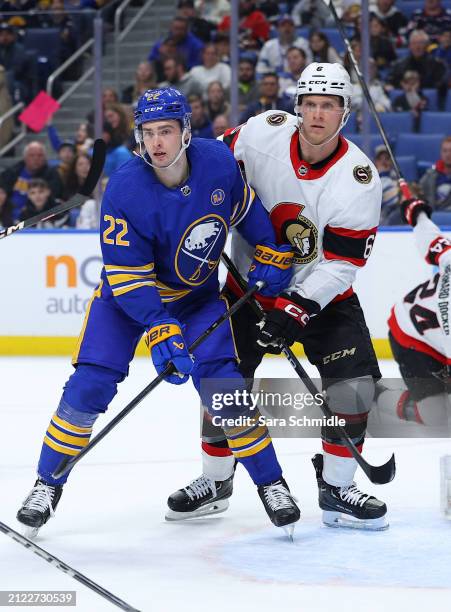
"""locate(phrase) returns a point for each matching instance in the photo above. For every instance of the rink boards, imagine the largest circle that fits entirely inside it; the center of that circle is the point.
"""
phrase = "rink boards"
(48, 278)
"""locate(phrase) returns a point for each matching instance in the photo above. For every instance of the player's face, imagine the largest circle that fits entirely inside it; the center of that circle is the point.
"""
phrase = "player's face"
(321, 117)
(162, 140)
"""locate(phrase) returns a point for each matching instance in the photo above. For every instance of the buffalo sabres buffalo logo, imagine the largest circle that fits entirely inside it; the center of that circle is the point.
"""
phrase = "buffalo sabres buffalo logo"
(276, 119)
(292, 227)
(200, 248)
(362, 174)
(217, 197)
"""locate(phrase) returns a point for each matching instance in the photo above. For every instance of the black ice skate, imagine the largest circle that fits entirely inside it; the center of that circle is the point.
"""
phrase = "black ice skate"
(39, 506)
(280, 505)
(202, 497)
(347, 506)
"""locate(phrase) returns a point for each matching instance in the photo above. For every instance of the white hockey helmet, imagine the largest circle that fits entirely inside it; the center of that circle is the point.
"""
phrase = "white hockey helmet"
(323, 79)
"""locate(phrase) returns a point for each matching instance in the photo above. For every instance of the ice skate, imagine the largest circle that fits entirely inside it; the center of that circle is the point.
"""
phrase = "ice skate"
(280, 505)
(39, 506)
(202, 497)
(348, 506)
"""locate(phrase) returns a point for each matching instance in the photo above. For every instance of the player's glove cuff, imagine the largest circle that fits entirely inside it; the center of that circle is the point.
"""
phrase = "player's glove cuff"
(287, 321)
(271, 264)
(166, 344)
(410, 210)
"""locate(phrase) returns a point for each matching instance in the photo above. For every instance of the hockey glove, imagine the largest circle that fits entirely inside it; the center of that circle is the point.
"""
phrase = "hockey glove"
(286, 322)
(271, 264)
(410, 209)
(167, 344)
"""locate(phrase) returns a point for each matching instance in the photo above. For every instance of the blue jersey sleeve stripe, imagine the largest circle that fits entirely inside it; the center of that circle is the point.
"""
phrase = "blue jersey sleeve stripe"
(127, 288)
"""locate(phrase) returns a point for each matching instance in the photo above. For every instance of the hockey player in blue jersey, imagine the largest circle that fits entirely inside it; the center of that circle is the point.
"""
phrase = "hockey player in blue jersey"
(165, 219)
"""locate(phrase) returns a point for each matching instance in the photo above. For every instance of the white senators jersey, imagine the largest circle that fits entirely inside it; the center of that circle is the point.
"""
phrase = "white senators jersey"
(421, 320)
(328, 211)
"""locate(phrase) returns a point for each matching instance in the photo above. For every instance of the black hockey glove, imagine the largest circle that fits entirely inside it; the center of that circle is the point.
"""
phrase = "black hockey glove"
(410, 209)
(286, 322)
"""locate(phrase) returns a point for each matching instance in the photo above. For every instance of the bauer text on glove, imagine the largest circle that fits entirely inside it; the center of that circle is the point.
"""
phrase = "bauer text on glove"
(271, 264)
(166, 344)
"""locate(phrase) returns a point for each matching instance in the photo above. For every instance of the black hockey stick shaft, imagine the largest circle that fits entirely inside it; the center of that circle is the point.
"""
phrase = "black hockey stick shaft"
(67, 569)
(67, 463)
(405, 190)
(95, 171)
(377, 474)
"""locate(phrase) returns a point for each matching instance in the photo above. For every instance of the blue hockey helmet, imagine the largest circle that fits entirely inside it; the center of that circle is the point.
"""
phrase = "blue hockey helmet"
(160, 104)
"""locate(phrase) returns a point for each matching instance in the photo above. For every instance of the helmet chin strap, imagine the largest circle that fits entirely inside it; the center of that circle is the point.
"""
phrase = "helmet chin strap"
(185, 142)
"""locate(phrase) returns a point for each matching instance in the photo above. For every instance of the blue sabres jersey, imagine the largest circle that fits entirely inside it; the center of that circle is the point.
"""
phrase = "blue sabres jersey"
(161, 246)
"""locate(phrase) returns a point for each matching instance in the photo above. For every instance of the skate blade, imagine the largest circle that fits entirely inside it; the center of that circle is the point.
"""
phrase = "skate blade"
(289, 531)
(210, 509)
(30, 532)
(337, 519)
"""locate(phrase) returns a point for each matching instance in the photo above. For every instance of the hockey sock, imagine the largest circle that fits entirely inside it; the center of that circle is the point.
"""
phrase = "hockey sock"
(217, 460)
(431, 411)
(252, 446)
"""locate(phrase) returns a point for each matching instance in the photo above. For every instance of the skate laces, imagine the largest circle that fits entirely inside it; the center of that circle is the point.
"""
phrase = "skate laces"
(352, 495)
(277, 496)
(199, 487)
(41, 498)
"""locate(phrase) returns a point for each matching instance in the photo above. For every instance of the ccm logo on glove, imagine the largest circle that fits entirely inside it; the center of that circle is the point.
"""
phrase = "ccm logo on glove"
(297, 312)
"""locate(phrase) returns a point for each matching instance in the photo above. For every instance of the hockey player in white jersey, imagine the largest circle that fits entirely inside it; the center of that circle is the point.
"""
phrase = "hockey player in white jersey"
(324, 197)
(419, 334)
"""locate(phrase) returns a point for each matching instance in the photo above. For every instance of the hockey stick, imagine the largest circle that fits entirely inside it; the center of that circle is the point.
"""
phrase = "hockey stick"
(377, 474)
(98, 160)
(76, 575)
(68, 463)
(404, 187)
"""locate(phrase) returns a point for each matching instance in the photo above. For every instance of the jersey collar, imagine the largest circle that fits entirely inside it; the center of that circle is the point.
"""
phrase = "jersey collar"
(307, 172)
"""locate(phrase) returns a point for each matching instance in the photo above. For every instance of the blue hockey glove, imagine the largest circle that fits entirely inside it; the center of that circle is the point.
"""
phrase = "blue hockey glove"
(271, 264)
(286, 321)
(166, 344)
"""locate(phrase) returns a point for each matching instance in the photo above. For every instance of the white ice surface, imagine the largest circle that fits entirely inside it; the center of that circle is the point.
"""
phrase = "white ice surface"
(110, 522)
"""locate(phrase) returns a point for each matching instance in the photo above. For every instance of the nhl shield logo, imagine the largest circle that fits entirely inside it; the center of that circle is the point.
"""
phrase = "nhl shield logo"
(200, 248)
(294, 228)
(362, 174)
(186, 190)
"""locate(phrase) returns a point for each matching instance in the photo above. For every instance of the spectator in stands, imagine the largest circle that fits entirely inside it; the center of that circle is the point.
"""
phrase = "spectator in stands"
(432, 71)
(188, 46)
(76, 176)
(217, 103)
(39, 199)
(167, 49)
(321, 49)
(253, 26)
(16, 179)
(177, 77)
(391, 16)
(213, 10)
(296, 61)
(144, 80)
(413, 99)
(443, 51)
(6, 209)
(201, 126)
(14, 60)
(7, 126)
(220, 125)
(313, 13)
(273, 55)
(269, 98)
(381, 46)
(56, 17)
(120, 121)
(83, 137)
(435, 184)
(116, 153)
(248, 89)
(109, 96)
(433, 18)
(211, 69)
(222, 42)
(200, 27)
(66, 154)
(390, 188)
(377, 91)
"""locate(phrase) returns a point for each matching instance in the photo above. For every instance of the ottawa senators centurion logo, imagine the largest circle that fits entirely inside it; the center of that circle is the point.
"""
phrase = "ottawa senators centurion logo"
(293, 228)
